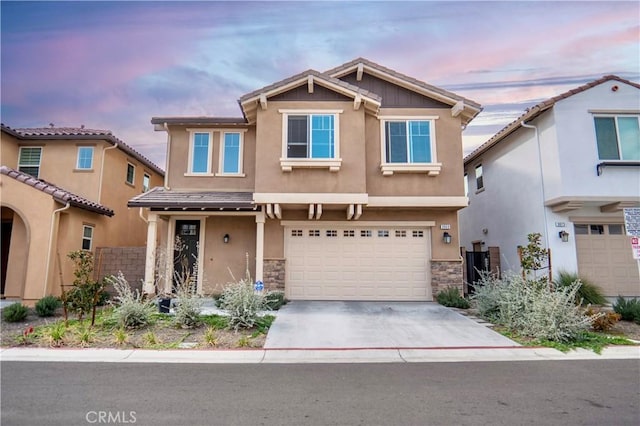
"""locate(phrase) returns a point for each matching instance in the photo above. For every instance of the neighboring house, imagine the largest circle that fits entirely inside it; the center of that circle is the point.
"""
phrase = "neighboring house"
(565, 169)
(65, 189)
(341, 185)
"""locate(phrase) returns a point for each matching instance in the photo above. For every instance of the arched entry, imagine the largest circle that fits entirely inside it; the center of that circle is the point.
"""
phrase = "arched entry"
(15, 246)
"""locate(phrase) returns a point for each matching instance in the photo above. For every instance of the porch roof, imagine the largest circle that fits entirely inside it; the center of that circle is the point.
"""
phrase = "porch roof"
(165, 199)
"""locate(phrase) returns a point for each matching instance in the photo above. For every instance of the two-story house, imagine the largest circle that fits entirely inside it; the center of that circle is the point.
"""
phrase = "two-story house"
(65, 189)
(565, 169)
(339, 185)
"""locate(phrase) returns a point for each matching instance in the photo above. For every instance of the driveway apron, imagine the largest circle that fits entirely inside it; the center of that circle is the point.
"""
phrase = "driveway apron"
(335, 325)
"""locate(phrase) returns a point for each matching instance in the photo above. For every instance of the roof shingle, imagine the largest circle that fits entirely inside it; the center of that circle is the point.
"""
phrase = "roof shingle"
(161, 198)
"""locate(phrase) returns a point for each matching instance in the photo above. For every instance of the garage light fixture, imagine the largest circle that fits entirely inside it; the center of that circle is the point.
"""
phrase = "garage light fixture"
(564, 236)
(226, 238)
(446, 237)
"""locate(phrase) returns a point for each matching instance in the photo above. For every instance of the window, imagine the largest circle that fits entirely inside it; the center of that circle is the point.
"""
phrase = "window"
(383, 233)
(314, 232)
(408, 141)
(29, 160)
(417, 234)
(616, 229)
(310, 136)
(146, 182)
(131, 173)
(479, 180)
(618, 138)
(231, 154)
(87, 237)
(466, 185)
(200, 153)
(365, 233)
(348, 233)
(401, 233)
(296, 232)
(85, 158)
(331, 233)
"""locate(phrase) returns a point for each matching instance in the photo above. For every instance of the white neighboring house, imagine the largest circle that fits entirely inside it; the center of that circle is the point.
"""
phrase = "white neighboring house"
(569, 165)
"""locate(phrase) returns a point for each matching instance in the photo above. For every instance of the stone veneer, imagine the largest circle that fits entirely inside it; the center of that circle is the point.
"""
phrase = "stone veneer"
(273, 274)
(446, 273)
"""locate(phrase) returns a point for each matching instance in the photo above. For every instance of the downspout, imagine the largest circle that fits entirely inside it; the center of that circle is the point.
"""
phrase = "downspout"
(544, 209)
(53, 221)
(102, 171)
(141, 216)
(166, 172)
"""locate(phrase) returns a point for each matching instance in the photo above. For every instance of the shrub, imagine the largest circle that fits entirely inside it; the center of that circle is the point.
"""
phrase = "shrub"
(242, 304)
(15, 312)
(602, 322)
(47, 306)
(588, 294)
(451, 298)
(85, 295)
(56, 334)
(629, 309)
(274, 300)
(132, 311)
(188, 307)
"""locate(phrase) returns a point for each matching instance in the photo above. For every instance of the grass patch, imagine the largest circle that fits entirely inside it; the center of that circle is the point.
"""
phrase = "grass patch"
(216, 322)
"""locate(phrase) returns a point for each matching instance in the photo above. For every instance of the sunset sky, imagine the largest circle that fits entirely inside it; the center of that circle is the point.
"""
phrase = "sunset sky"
(115, 65)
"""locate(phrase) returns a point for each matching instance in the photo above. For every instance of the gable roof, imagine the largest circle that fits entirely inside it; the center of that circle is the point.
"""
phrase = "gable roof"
(61, 195)
(79, 133)
(471, 108)
(536, 110)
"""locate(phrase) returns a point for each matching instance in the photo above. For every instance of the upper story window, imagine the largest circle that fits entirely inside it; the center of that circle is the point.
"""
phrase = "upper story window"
(146, 182)
(618, 137)
(466, 185)
(29, 160)
(408, 145)
(131, 173)
(231, 153)
(200, 153)
(85, 158)
(87, 237)
(310, 139)
(479, 178)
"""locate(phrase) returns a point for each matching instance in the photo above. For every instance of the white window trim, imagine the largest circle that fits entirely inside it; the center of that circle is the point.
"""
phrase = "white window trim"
(388, 169)
(192, 133)
(30, 165)
(85, 238)
(333, 164)
(475, 175)
(93, 151)
(221, 172)
(147, 175)
(126, 178)
(615, 117)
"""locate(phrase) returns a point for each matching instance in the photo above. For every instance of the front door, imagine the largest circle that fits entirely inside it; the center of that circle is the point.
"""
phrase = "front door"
(185, 254)
(6, 243)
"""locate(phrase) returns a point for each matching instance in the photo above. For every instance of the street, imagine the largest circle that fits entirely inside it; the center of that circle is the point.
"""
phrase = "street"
(469, 393)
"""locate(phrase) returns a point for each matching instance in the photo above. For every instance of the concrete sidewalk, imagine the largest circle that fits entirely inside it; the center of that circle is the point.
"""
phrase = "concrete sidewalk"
(322, 356)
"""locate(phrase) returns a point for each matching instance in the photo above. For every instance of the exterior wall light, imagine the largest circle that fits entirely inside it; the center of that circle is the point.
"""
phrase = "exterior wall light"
(564, 236)
(446, 237)
(226, 238)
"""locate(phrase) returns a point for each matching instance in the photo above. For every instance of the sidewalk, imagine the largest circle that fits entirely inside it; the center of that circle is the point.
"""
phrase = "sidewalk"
(322, 356)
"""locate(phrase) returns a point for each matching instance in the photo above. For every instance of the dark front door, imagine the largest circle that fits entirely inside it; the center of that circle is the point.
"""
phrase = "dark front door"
(185, 254)
(477, 262)
(7, 226)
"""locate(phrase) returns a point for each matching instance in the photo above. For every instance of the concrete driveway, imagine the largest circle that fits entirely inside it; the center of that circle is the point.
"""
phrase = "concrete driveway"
(304, 324)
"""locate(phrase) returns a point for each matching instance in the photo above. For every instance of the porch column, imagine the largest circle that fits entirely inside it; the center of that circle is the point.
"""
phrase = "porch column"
(150, 262)
(259, 245)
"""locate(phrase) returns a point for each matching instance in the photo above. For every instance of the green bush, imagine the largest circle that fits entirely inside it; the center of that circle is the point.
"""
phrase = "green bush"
(15, 312)
(274, 300)
(242, 303)
(187, 308)
(132, 311)
(588, 294)
(451, 298)
(47, 306)
(629, 309)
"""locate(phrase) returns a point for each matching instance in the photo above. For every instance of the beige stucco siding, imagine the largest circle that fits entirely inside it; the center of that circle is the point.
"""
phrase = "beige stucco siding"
(9, 151)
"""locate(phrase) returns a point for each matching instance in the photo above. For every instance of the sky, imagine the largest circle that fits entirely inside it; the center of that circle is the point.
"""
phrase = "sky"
(114, 65)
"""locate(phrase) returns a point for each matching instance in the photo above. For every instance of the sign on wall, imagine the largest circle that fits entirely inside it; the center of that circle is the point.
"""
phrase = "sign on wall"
(632, 221)
(635, 245)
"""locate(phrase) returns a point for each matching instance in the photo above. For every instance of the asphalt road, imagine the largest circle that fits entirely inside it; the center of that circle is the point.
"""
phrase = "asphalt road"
(484, 393)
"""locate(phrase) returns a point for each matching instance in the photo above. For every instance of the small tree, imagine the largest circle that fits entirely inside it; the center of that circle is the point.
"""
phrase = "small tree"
(85, 294)
(534, 257)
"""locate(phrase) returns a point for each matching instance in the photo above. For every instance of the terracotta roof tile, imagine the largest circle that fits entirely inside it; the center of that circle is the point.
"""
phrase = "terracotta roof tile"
(57, 193)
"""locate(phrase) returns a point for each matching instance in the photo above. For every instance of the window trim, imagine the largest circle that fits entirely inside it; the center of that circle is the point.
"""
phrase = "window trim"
(388, 169)
(615, 117)
(148, 178)
(475, 170)
(90, 239)
(84, 169)
(192, 133)
(30, 165)
(221, 171)
(133, 177)
(333, 164)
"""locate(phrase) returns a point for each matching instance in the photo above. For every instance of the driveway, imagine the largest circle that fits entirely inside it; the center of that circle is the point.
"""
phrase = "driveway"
(320, 325)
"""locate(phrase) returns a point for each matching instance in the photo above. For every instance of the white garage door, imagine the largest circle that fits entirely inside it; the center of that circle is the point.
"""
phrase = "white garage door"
(357, 263)
(606, 259)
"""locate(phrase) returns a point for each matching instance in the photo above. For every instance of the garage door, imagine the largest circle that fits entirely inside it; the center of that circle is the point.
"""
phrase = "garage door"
(605, 258)
(357, 263)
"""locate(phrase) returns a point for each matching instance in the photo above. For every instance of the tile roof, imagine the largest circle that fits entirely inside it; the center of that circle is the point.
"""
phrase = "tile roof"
(57, 193)
(231, 121)
(538, 109)
(79, 133)
(161, 198)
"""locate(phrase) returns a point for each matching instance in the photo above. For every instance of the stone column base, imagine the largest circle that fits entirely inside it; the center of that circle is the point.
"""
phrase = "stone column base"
(274, 274)
(446, 273)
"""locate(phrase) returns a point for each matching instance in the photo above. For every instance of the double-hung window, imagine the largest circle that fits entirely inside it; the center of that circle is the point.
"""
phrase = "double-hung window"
(618, 137)
(310, 139)
(85, 158)
(131, 174)
(87, 237)
(231, 152)
(479, 178)
(146, 182)
(200, 153)
(29, 160)
(408, 145)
